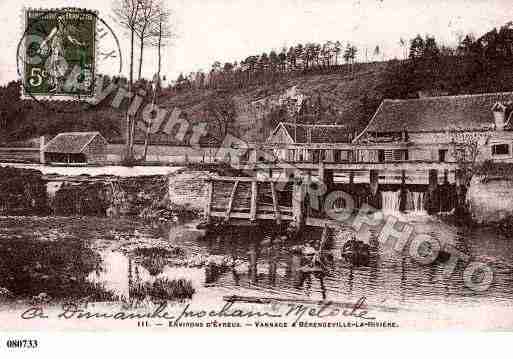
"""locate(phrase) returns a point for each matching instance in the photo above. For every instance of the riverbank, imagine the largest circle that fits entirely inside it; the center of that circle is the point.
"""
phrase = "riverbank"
(149, 192)
(490, 197)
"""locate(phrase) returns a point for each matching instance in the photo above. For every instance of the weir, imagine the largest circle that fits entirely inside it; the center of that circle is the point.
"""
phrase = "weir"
(285, 194)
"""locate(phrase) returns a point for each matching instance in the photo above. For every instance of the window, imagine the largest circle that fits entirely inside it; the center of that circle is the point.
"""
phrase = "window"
(381, 156)
(460, 154)
(336, 155)
(442, 155)
(499, 150)
(400, 155)
(292, 155)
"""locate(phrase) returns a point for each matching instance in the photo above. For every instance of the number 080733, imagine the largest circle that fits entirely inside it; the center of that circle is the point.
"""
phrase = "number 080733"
(22, 343)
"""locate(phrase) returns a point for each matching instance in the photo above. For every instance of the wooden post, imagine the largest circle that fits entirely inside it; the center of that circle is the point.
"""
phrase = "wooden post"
(374, 181)
(253, 156)
(254, 197)
(273, 260)
(433, 185)
(402, 198)
(458, 177)
(321, 172)
(297, 200)
(41, 150)
(208, 204)
(230, 202)
(459, 186)
(324, 237)
(351, 183)
(433, 180)
(328, 180)
(295, 265)
(276, 206)
(253, 256)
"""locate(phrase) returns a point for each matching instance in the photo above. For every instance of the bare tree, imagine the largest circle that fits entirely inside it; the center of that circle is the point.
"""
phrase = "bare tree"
(377, 51)
(466, 149)
(404, 46)
(221, 111)
(147, 17)
(127, 14)
(161, 34)
(337, 50)
(350, 56)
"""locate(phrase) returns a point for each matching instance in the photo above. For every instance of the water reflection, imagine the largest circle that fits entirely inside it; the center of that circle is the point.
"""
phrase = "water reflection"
(269, 265)
(389, 275)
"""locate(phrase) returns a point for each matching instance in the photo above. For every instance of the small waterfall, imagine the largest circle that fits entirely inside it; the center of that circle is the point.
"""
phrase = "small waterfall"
(415, 202)
(391, 201)
(52, 188)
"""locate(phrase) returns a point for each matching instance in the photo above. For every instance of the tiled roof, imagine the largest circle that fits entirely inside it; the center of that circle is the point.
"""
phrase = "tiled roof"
(319, 133)
(70, 142)
(464, 112)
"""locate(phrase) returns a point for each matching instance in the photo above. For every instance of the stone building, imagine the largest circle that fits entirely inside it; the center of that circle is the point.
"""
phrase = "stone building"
(440, 129)
(76, 148)
(311, 143)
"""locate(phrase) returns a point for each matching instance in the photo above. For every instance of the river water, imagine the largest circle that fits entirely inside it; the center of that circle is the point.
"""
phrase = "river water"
(391, 279)
(120, 171)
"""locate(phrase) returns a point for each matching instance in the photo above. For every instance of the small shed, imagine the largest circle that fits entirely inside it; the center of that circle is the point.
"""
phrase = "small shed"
(76, 147)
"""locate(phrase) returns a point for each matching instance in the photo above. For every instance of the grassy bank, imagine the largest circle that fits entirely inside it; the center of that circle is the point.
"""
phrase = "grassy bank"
(41, 270)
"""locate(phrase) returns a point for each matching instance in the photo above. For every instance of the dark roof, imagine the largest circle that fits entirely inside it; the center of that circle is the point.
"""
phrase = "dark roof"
(463, 112)
(319, 133)
(71, 142)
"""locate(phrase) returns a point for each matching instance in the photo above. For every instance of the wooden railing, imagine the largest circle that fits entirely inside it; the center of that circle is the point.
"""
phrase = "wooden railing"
(248, 199)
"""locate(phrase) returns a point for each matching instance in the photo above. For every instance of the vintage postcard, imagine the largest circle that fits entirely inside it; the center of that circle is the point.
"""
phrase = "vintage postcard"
(302, 165)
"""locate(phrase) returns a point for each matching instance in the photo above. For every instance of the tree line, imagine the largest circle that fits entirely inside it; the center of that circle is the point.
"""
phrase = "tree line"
(473, 65)
(270, 66)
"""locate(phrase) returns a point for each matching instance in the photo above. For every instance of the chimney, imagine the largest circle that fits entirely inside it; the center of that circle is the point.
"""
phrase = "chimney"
(499, 116)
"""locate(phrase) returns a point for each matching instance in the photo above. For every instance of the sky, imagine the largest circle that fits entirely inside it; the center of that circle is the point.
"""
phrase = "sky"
(229, 30)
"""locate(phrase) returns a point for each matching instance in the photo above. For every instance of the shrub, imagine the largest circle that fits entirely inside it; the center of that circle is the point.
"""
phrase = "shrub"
(163, 289)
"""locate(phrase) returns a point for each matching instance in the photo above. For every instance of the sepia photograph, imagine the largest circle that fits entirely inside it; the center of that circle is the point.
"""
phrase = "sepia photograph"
(172, 166)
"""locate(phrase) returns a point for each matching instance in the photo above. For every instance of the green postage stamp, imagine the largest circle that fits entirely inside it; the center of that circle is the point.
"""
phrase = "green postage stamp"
(58, 54)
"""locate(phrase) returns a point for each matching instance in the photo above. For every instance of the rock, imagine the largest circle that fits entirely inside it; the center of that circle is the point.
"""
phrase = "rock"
(188, 189)
(41, 298)
(490, 201)
(112, 212)
(5, 293)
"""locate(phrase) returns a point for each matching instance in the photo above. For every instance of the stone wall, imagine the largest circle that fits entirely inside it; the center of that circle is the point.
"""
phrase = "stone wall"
(187, 188)
(133, 196)
(22, 192)
(490, 201)
(110, 196)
